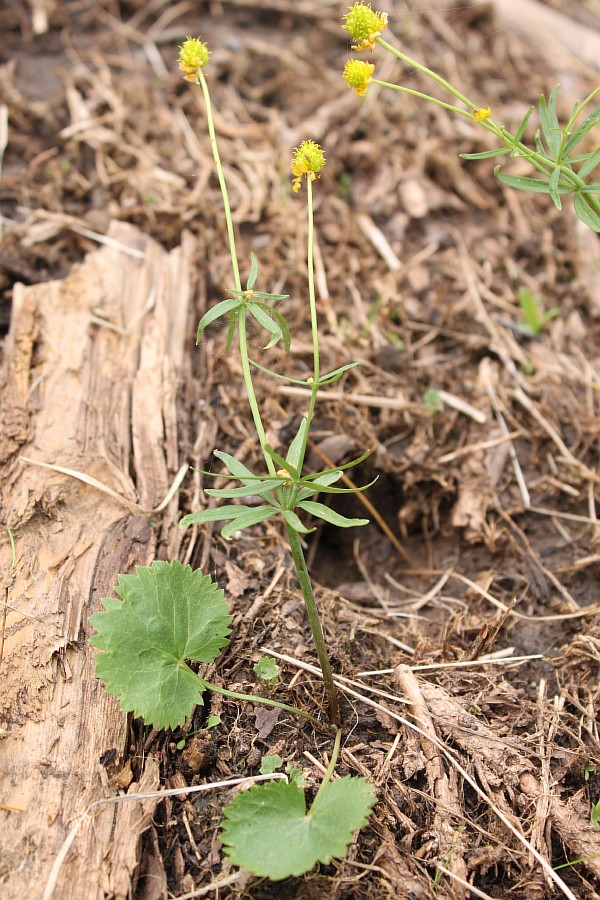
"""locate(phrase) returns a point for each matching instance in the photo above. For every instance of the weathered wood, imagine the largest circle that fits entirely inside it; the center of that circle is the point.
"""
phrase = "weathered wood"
(89, 381)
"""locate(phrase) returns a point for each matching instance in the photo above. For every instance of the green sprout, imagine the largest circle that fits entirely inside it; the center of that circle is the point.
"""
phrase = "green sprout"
(267, 669)
(534, 315)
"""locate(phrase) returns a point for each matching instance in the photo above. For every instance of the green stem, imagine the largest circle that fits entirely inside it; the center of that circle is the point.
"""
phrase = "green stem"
(222, 182)
(416, 65)
(254, 698)
(331, 767)
(315, 624)
(314, 324)
(241, 314)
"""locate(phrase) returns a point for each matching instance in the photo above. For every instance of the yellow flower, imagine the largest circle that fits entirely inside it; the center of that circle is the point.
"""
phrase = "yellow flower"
(358, 75)
(193, 55)
(307, 160)
(481, 114)
(364, 25)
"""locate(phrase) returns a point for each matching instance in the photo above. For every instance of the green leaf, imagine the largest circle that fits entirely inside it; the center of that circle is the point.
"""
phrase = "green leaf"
(280, 322)
(221, 309)
(523, 125)
(257, 488)
(270, 764)
(523, 183)
(320, 511)
(218, 514)
(595, 815)
(553, 188)
(294, 522)
(281, 462)
(266, 322)
(267, 831)
(267, 669)
(336, 374)
(294, 453)
(587, 124)
(549, 122)
(231, 329)
(234, 466)
(587, 215)
(590, 189)
(486, 154)
(250, 517)
(273, 374)
(168, 614)
(263, 295)
(329, 478)
(253, 272)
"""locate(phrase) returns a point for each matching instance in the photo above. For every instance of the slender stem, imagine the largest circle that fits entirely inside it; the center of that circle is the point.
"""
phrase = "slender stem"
(254, 698)
(315, 625)
(252, 401)
(333, 762)
(241, 314)
(222, 182)
(314, 324)
(416, 65)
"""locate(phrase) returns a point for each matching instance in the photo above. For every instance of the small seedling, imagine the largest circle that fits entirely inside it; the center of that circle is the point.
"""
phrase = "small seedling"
(211, 722)
(588, 770)
(595, 815)
(533, 312)
(267, 669)
(270, 764)
(433, 401)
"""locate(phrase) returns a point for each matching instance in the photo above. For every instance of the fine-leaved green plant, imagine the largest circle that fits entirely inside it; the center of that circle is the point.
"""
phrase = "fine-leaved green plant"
(562, 168)
(536, 318)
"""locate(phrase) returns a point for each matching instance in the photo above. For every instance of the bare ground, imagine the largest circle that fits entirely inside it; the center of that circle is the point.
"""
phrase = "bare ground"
(484, 533)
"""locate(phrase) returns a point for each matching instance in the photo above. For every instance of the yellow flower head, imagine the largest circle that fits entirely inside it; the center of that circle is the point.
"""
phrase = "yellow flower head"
(358, 75)
(364, 25)
(307, 160)
(193, 55)
(480, 114)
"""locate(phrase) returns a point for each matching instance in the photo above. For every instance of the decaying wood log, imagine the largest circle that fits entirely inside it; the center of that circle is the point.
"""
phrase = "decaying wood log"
(89, 380)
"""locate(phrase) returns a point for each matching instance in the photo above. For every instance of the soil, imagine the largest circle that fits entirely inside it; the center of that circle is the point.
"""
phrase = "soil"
(467, 607)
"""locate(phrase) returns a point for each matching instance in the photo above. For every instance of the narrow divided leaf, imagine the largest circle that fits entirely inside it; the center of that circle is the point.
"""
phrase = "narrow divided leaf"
(221, 309)
(587, 215)
(218, 514)
(168, 614)
(249, 518)
(295, 452)
(253, 272)
(486, 154)
(267, 831)
(549, 122)
(320, 511)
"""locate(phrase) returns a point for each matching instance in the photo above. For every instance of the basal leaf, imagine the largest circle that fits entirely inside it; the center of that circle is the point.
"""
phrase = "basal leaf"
(320, 511)
(267, 831)
(167, 614)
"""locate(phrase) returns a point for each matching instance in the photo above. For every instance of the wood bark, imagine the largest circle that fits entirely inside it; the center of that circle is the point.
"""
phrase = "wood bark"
(88, 382)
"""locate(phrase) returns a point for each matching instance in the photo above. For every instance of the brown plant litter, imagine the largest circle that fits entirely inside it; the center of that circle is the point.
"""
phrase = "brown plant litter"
(464, 622)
